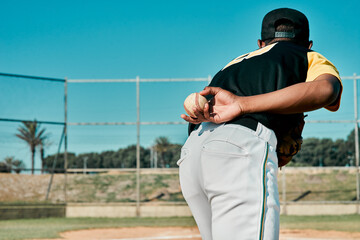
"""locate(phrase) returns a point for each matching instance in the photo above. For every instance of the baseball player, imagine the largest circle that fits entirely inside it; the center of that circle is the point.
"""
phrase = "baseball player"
(228, 165)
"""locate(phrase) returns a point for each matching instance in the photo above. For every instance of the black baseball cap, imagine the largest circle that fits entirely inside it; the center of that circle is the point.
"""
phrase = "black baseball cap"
(301, 25)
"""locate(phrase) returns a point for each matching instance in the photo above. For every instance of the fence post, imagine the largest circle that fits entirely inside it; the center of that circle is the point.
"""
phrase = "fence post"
(65, 138)
(356, 141)
(138, 147)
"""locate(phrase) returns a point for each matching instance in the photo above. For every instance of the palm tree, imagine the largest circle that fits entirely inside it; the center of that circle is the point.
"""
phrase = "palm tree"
(44, 143)
(9, 162)
(18, 166)
(42, 154)
(31, 133)
(14, 164)
(162, 145)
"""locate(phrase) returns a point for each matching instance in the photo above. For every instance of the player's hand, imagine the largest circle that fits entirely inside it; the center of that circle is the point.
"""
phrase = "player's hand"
(199, 113)
(223, 107)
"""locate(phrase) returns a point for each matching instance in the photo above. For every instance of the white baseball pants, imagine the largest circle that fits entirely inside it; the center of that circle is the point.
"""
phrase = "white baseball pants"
(228, 176)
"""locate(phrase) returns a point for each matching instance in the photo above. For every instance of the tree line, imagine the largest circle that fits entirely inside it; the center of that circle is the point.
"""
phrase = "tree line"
(326, 152)
(314, 152)
(163, 154)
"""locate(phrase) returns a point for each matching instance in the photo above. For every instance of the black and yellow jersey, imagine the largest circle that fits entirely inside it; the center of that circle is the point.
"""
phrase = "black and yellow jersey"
(271, 68)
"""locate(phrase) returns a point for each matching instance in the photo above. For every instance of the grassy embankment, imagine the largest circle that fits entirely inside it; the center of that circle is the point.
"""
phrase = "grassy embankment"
(301, 185)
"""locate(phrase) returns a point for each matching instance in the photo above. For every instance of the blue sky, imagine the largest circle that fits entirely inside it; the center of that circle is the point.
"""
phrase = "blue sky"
(151, 39)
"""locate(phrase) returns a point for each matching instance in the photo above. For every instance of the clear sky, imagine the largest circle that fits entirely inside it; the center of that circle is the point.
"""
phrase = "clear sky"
(150, 39)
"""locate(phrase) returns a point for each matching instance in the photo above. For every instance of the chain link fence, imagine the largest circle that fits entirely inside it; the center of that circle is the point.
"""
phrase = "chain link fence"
(77, 121)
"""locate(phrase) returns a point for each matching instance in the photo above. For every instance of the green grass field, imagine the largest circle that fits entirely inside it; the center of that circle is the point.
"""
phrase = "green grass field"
(49, 228)
(346, 223)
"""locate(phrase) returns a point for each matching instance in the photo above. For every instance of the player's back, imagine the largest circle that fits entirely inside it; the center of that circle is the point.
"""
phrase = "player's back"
(267, 69)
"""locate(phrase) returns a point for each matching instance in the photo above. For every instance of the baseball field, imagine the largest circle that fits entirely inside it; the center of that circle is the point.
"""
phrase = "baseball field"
(327, 184)
(292, 227)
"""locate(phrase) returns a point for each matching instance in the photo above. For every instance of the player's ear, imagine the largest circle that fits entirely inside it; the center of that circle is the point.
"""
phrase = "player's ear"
(261, 43)
(310, 44)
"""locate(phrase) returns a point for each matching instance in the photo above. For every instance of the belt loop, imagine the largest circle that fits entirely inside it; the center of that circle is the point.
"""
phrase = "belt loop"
(260, 131)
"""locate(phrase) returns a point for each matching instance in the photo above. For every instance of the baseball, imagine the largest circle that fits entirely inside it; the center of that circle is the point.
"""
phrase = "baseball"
(194, 100)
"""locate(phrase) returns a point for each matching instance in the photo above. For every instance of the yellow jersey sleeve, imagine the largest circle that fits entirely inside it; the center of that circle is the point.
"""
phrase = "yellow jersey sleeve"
(318, 65)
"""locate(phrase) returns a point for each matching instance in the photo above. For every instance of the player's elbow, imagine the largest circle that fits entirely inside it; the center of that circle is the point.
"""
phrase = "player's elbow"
(330, 90)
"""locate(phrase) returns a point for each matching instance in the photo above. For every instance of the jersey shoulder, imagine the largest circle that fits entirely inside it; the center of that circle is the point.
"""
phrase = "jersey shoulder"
(318, 65)
(250, 55)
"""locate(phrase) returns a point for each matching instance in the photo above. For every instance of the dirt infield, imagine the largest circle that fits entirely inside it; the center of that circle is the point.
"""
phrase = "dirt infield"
(184, 233)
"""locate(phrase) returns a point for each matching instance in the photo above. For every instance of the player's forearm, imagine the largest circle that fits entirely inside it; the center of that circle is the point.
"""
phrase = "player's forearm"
(302, 97)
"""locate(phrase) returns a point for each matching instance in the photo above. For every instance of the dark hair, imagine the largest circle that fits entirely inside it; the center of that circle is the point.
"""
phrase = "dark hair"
(285, 25)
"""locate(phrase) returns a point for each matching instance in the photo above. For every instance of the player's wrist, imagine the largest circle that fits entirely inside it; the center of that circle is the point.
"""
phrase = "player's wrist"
(243, 105)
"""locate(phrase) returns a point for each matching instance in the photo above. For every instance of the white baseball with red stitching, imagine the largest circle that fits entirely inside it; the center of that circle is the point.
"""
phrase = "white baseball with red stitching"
(194, 100)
